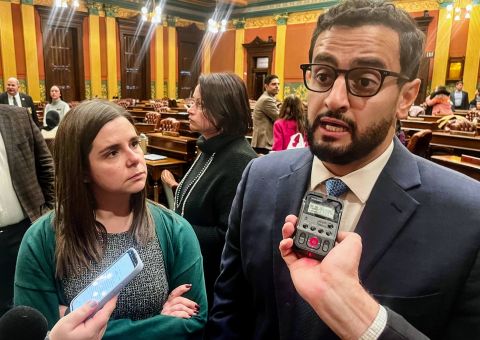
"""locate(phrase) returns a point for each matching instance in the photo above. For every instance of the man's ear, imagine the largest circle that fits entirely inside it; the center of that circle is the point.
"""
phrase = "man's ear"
(407, 97)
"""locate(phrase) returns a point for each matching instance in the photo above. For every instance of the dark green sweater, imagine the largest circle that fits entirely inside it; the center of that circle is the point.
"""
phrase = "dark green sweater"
(36, 285)
(207, 206)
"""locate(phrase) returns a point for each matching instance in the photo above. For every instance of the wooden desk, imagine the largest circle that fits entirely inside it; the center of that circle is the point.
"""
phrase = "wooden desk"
(446, 140)
(176, 115)
(417, 125)
(155, 169)
(144, 127)
(181, 147)
(455, 163)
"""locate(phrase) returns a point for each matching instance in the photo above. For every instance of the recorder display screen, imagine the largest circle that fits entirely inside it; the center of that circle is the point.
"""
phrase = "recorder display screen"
(321, 210)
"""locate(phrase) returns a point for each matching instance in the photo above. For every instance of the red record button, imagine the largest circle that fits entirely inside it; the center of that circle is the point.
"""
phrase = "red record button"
(313, 242)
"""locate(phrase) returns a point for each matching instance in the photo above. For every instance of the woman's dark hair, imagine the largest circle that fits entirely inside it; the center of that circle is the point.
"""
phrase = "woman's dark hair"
(357, 13)
(52, 118)
(78, 235)
(59, 91)
(292, 109)
(225, 103)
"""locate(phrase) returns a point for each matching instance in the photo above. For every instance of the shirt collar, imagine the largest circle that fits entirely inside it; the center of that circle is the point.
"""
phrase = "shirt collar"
(360, 181)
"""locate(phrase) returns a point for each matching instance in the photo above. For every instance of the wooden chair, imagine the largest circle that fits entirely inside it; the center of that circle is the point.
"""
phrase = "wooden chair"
(419, 143)
(168, 127)
(152, 118)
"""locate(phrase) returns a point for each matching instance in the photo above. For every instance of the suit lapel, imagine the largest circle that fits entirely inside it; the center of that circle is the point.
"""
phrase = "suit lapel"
(23, 102)
(388, 208)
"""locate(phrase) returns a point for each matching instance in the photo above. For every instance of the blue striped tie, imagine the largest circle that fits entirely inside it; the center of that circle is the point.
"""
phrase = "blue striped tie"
(335, 187)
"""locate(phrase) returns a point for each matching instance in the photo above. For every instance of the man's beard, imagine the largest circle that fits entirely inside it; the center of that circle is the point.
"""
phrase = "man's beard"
(361, 145)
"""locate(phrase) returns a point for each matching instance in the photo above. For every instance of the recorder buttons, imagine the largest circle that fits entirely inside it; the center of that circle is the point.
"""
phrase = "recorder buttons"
(313, 242)
(301, 239)
(326, 245)
(328, 233)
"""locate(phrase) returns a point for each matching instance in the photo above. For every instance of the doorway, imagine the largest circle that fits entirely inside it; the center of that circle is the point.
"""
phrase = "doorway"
(134, 59)
(259, 64)
(63, 55)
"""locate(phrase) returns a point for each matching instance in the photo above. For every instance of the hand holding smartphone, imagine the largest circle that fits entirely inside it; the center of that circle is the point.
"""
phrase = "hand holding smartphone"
(111, 281)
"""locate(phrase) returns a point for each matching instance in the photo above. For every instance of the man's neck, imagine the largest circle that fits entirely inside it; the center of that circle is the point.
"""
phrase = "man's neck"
(343, 170)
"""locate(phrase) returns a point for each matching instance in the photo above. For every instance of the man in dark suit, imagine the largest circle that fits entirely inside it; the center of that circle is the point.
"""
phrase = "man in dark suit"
(26, 187)
(406, 264)
(13, 97)
(459, 98)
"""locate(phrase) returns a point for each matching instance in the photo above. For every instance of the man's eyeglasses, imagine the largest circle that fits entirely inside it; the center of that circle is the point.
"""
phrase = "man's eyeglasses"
(360, 81)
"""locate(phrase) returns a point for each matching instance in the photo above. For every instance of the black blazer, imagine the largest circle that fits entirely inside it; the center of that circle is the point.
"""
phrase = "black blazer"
(464, 105)
(420, 232)
(26, 101)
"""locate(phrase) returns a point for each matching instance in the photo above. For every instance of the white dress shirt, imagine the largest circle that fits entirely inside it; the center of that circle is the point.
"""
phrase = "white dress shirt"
(17, 97)
(360, 184)
(11, 211)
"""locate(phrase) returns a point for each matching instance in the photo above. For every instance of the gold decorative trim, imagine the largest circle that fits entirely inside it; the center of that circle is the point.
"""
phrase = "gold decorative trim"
(260, 22)
(303, 17)
(417, 6)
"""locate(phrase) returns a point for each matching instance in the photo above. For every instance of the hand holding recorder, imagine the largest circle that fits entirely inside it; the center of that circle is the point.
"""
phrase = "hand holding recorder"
(331, 286)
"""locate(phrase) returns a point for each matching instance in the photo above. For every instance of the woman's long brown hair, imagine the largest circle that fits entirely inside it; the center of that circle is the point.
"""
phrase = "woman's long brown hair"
(292, 109)
(78, 235)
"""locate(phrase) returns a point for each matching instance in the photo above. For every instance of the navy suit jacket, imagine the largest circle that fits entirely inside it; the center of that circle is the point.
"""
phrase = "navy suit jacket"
(26, 101)
(420, 231)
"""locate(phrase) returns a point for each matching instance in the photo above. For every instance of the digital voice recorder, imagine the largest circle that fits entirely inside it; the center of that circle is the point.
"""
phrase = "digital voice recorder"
(317, 225)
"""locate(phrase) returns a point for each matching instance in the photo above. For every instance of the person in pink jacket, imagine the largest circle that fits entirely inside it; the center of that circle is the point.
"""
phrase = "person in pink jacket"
(289, 129)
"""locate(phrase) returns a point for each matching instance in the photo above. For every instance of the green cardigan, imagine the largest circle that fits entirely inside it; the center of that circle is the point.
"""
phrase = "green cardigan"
(36, 285)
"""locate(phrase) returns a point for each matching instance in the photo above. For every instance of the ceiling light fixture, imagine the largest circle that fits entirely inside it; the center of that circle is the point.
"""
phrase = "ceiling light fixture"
(64, 3)
(155, 16)
(456, 8)
(217, 26)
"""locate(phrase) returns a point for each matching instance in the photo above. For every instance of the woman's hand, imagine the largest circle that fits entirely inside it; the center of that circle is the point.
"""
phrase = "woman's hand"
(179, 306)
(78, 326)
(168, 179)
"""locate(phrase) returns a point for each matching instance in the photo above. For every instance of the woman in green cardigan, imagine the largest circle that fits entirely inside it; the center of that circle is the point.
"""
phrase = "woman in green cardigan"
(102, 211)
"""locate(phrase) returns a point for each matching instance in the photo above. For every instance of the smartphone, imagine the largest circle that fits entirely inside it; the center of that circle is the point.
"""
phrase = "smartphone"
(317, 225)
(111, 281)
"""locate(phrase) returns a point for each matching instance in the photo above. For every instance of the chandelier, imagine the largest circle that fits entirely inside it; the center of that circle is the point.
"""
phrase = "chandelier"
(215, 26)
(64, 3)
(154, 16)
(459, 9)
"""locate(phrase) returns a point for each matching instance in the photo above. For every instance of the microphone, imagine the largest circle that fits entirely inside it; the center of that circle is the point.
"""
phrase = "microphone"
(22, 323)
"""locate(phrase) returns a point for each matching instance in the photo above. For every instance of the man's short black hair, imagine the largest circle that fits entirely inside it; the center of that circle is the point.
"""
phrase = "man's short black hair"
(269, 78)
(357, 13)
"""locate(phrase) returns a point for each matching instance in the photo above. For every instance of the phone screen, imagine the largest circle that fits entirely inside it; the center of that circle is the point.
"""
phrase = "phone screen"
(106, 282)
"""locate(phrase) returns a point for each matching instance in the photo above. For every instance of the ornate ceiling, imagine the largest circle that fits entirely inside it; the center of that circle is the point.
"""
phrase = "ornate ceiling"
(201, 10)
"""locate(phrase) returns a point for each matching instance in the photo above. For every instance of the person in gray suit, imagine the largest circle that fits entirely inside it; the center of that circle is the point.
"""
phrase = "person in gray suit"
(406, 262)
(264, 115)
(26, 187)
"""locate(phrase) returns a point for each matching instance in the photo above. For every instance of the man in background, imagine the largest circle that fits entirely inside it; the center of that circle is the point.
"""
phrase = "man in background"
(13, 97)
(459, 98)
(264, 115)
(26, 188)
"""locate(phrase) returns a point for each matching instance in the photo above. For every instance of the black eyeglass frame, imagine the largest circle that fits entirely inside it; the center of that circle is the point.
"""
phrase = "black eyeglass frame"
(383, 74)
